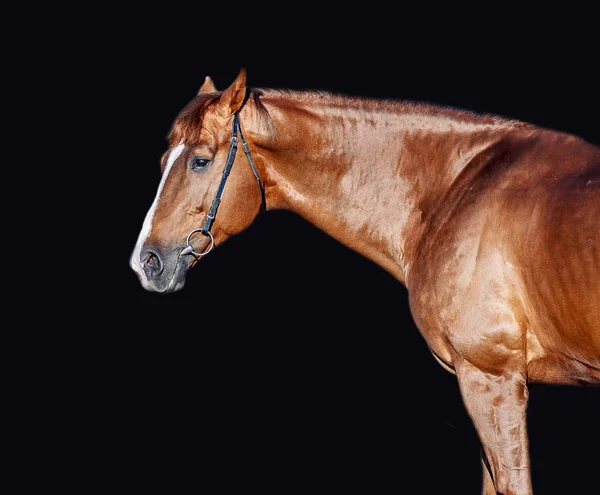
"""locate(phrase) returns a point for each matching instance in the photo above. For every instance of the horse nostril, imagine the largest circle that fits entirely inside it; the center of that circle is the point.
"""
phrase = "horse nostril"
(152, 264)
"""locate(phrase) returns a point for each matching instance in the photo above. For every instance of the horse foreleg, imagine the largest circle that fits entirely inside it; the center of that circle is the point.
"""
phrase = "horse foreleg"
(497, 404)
(488, 482)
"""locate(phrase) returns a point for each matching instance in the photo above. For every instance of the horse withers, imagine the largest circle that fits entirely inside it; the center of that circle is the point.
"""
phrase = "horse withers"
(491, 224)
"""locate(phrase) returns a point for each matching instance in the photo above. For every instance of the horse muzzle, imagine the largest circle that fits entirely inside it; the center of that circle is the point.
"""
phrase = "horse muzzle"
(161, 270)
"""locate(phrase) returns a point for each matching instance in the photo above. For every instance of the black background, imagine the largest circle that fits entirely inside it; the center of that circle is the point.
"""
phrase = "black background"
(288, 362)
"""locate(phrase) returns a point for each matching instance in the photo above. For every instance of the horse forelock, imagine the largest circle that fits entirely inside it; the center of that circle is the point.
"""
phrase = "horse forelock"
(187, 127)
(188, 124)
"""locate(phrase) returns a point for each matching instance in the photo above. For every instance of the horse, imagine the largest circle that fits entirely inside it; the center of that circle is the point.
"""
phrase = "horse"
(490, 223)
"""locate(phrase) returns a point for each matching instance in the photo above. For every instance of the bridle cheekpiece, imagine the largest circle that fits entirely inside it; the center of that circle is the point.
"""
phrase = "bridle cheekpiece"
(212, 212)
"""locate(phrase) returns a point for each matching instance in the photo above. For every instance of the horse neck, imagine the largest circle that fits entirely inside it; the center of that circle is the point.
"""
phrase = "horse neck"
(368, 173)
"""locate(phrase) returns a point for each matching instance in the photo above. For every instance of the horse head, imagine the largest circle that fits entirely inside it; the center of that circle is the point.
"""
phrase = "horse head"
(178, 229)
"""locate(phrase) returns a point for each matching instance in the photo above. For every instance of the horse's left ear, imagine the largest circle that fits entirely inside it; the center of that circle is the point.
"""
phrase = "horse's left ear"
(233, 97)
(208, 86)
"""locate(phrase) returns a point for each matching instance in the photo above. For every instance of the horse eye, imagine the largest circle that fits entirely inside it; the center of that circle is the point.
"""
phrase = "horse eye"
(199, 163)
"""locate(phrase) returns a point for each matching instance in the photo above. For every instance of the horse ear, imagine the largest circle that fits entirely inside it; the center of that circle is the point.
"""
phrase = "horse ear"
(208, 86)
(233, 97)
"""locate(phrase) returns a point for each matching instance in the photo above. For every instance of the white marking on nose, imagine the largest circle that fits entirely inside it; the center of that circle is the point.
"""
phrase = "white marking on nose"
(135, 261)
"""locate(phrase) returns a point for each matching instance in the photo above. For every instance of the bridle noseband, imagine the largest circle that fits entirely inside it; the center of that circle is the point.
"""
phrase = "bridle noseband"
(212, 212)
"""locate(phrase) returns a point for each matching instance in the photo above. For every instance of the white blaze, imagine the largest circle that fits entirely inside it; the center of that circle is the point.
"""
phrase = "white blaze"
(135, 261)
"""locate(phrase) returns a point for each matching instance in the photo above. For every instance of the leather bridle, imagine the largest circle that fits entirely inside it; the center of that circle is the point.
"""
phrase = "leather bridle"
(212, 212)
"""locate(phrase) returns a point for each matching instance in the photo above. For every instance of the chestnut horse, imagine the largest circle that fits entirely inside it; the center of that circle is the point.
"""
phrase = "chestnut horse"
(491, 224)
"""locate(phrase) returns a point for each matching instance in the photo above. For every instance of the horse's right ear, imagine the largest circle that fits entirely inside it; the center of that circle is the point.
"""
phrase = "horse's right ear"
(208, 86)
(233, 97)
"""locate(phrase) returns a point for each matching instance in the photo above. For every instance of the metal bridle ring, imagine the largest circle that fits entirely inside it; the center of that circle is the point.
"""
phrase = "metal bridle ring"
(191, 249)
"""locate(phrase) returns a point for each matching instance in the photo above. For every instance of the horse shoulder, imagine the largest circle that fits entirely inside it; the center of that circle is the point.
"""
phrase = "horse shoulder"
(464, 292)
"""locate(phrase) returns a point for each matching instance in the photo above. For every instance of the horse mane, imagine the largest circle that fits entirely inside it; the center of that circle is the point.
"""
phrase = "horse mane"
(389, 105)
